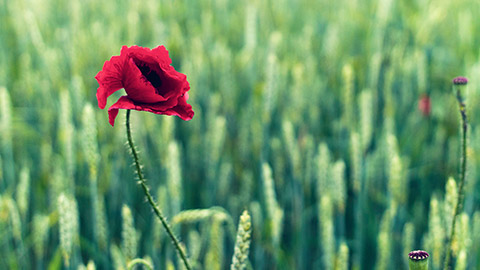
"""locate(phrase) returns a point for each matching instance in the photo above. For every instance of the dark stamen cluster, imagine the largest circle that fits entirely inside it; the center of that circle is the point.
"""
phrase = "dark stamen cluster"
(150, 75)
(418, 255)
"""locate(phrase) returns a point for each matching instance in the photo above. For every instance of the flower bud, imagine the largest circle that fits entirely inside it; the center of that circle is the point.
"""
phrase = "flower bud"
(460, 81)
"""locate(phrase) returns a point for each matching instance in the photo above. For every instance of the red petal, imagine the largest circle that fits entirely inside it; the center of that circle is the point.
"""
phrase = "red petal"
(122, 103)
(161, 53)
(138, 88)
(109, 79)
(157, 55)
(182, 109)
(174, 83)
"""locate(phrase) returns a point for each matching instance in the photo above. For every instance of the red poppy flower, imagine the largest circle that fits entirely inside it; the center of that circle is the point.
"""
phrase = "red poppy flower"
(151, 83)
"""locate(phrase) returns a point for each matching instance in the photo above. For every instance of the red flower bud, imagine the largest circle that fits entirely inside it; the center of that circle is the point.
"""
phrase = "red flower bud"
(424, 105)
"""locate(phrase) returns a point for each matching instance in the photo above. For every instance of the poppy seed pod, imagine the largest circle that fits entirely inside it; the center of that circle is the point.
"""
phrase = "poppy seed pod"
(418, 260)
(459, 87)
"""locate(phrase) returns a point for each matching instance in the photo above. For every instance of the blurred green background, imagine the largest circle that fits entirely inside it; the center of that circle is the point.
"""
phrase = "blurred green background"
(306, 114)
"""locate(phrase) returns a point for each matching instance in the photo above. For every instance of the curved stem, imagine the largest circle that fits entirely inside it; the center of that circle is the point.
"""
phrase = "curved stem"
(146, 190)
(461, 193)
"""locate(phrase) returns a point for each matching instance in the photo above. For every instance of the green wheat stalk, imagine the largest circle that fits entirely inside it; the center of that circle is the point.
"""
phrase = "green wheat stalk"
(195, 215)
(174, 176)
(129, 234)
(68, 225)
(341, 262)
(327, 231)
(8, 172)
(462, 241)
(408, 238)
(23, 188)
(214, 256)
(138, 261)
(40, 234)
(436, 233)
(242, 244)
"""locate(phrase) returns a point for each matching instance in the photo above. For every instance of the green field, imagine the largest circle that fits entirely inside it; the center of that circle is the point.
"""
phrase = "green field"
(306, 115)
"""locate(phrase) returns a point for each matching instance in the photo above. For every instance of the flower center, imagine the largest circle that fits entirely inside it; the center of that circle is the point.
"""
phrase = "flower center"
(152, 77)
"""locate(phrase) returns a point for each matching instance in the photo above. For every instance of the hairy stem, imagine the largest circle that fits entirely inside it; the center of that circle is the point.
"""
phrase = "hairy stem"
(461, 194)
(152, 203)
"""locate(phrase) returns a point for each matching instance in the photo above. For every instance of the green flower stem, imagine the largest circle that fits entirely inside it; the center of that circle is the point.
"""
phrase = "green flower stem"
(420, 265)
(461, 193)
(157, 211)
